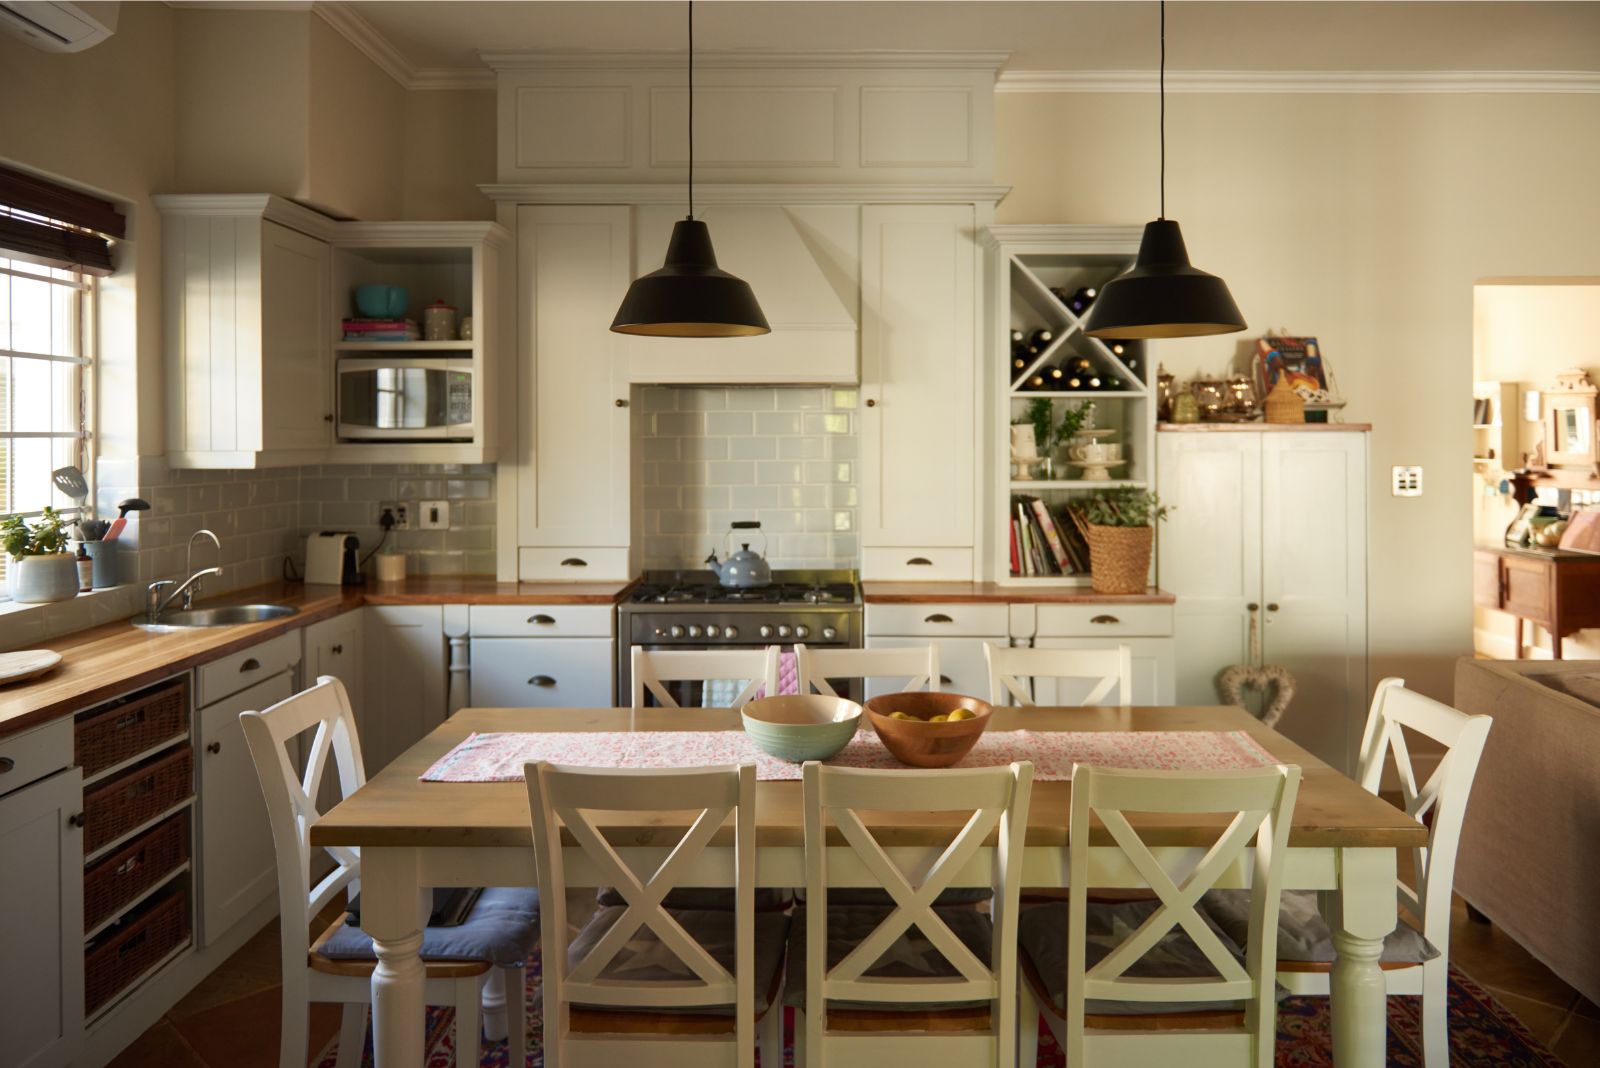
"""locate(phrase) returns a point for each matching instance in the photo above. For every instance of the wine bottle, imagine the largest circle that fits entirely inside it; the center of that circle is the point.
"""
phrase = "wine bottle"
(1056, 375)
(1074, 382)
(1081, 299)
(1040, 339)
(1016, 336)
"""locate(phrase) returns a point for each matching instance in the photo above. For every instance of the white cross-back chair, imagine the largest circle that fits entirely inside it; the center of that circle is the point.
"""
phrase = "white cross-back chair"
(308, 975)
(1159, 1022)
(1410, 964)
(1013, 669)
(919, 666)
(997, 799)
(594, 1013)
(756, 668)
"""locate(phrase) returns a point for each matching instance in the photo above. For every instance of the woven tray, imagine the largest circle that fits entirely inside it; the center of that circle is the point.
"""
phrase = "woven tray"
(133, 869)
(117, 806)
(127, 727)
(133, 947)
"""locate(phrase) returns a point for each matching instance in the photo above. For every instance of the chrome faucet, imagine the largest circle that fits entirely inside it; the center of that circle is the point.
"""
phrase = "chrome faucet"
(155, 603)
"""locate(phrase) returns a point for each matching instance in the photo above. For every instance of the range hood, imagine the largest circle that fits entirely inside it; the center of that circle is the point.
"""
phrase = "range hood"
(803, 293)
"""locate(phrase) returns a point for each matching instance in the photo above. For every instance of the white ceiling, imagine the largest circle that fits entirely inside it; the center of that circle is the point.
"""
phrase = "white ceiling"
(1082, 36)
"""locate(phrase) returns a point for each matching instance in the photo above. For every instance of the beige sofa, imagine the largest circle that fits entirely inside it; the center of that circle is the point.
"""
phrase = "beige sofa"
(1530, 849)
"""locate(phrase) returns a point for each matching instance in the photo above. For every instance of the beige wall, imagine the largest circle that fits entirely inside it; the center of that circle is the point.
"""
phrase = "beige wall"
(1364, 220)
(450, 151)
(356, 130)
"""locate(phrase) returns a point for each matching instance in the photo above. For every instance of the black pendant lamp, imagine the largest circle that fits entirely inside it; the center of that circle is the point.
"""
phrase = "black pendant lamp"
(690, 296)
(1161, 295)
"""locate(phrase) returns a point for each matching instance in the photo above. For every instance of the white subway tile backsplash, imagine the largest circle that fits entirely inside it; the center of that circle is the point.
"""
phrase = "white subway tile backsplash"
(778, 423)
(730, 423)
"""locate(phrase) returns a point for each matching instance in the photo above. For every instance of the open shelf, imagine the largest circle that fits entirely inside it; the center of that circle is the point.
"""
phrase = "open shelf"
(402, 346)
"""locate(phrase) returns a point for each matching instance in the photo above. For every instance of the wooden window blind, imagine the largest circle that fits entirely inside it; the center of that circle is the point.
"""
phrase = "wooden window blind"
(47, 223)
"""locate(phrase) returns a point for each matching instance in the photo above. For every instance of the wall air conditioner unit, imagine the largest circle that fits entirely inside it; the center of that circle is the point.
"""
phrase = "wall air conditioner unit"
(53, 26)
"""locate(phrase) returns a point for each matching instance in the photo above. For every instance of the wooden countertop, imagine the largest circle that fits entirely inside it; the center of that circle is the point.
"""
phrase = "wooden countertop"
(997, 593)
(1288, 428)
(114, 658)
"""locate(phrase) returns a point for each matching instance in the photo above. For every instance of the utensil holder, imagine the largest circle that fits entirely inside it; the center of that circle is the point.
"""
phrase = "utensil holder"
(104, 555)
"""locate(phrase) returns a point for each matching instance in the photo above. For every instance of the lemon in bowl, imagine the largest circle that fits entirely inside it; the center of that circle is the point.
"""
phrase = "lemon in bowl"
(800, 727)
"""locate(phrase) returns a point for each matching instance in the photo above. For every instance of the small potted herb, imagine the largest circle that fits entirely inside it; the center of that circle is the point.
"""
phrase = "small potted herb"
(1120, 526)
(41, 569)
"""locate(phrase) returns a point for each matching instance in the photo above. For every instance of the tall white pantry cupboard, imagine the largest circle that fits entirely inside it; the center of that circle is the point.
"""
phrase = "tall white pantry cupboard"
(1266, 550)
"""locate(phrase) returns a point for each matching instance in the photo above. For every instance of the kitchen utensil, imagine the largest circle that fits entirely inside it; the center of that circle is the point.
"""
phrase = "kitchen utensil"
(132, 504)
(26, 664)
(743, 569)
(382, 302)
(800, 727)
(94, 529)
(70, 481)
(918, 741)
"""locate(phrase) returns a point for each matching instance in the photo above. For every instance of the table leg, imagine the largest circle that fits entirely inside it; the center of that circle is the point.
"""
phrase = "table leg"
(1360, 912)
(393, 913)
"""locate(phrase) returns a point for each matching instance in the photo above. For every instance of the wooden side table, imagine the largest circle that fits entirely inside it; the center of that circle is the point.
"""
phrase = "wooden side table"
(1559, 591)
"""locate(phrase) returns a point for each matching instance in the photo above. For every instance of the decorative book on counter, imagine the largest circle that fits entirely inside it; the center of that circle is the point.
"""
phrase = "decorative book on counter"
(1041, 544)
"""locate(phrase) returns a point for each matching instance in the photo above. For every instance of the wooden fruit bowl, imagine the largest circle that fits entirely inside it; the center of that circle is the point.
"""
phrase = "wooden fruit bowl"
(924, 744)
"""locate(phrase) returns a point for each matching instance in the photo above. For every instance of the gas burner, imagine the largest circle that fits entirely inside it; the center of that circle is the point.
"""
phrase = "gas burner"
(761, 595)
(838, 594)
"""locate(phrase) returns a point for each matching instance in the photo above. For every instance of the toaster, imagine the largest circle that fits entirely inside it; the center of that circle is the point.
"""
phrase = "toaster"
(331, 558)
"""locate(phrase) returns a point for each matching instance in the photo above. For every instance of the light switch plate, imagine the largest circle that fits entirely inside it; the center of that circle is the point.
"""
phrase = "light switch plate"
(1407, 481)
(434, 515)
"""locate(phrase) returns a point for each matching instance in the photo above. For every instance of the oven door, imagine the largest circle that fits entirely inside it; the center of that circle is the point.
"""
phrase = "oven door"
(719, 693)
(411, 399)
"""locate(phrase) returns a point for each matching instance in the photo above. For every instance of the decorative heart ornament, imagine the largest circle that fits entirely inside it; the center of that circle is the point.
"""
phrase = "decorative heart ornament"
(1275, 685)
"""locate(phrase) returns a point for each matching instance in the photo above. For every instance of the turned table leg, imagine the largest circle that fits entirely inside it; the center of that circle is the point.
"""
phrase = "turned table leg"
(393, 913)
(1360, 912)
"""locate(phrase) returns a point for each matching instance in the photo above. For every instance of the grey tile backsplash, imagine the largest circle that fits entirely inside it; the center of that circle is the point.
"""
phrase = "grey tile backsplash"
(786, 456)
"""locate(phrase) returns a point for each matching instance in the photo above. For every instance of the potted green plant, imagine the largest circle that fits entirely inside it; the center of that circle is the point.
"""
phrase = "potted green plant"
(1120, 526)
(41, 568)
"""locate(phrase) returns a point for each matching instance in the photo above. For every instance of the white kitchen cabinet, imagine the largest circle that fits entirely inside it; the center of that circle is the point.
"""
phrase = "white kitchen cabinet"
(41, 921)
(573, 483)
(1266, 552)
(918, 380)
(335, 647)
(542, 672)
(959, 630)
(248, 327)
(238, 867)
(404, 689)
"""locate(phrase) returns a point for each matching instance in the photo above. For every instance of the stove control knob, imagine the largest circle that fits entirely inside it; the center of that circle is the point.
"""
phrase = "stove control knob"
(766, 631)
(783, 630)
(676, 632)
(694, 631)
(730, 632)
(802, 631)
(713, 631)
(828, 634)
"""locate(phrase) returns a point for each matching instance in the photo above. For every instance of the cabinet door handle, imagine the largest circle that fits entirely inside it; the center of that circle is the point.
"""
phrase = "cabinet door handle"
(621, 402)
(946, 680)
(1272, 608)
(542, 619)
(1104, 619)
(77, 819)
(6, 764)
(938, 617)
(1252, 607)
(250, 665)
(541, 680)
(919, 561)
(872, 402)
(214, 748)
(573, 561)
(337, 650)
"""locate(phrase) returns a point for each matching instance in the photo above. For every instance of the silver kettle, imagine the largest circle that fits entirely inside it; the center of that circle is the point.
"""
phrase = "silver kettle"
(743, 569)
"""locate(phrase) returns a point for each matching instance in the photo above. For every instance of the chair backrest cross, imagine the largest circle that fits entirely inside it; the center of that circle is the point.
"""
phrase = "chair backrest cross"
(652, 669)
(919, 666)
(1014, 669)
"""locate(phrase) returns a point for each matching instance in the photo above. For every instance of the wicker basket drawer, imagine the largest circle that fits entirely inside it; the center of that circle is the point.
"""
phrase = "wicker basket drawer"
(136, 867)
(127, 951)
(127, 727)
(120, 804)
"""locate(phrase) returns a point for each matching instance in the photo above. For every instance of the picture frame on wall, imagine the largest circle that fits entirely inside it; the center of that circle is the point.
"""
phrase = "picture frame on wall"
(1300, 361)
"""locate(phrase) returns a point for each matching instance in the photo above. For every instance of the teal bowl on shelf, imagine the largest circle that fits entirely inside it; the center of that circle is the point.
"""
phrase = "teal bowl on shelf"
(800, 727)
(381, 302)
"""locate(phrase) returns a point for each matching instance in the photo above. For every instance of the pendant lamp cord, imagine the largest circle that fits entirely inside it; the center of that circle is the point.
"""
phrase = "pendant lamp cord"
(1162, 91)
(691, 108)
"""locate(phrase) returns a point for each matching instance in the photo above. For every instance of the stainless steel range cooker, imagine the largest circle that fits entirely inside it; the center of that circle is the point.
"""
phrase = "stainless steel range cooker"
(690, 610)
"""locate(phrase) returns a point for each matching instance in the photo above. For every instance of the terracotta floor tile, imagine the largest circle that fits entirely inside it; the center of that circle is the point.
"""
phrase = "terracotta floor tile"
(253, 968)
(1585, 1007)
(1494, 959)
(244, 1033)
(159, 1047)
(1579, 1042)
(1543, 1020)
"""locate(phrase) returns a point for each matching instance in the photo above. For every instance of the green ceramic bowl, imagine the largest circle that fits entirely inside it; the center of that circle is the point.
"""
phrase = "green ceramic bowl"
(801, 727)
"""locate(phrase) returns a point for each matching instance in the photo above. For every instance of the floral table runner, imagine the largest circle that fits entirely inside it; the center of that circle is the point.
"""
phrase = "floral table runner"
(499, 757)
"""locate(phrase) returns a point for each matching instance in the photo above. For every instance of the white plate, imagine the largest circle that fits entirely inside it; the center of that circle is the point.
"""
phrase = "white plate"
(26, 663)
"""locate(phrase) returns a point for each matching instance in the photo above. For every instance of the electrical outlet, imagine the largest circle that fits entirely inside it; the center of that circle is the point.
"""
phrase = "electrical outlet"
(398, 509)
(435, 515)
(1407, 481)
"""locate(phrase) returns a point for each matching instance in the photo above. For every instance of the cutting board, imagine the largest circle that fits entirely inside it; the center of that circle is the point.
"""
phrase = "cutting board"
(26, 664)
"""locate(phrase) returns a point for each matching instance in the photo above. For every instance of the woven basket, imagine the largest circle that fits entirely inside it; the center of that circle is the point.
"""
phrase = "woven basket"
(126, 728)
(1119, 557)
(130, 949)
(1284, 405)
(133, 869)
(115, 807)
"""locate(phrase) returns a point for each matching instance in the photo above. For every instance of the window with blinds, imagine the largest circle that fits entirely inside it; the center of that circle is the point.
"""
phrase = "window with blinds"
(53, 242)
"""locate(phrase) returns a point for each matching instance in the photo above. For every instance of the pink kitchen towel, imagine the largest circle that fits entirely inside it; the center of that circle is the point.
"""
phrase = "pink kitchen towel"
(499, 757)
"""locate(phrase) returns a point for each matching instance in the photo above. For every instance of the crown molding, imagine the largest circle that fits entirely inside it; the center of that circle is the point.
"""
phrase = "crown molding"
(744, 193)
(1301, 81)
(267, 205)
(878, 59)
(1082, 237)
(406, 234)
(349, 24)
(438, 79)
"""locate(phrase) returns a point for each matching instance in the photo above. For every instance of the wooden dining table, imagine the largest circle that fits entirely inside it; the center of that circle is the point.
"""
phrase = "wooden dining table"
(415, 835)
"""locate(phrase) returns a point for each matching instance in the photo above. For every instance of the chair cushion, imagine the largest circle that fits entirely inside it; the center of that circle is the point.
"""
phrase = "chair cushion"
(646, 959)
(1042, 938)
(700, 898)
(1303, 935)
(502, 929)
(911, 955)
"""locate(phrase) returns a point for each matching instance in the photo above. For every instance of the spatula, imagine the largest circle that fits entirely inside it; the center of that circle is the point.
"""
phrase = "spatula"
(132, 504)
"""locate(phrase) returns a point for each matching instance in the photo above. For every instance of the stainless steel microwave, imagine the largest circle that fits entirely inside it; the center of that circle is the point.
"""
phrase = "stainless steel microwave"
(424, 398)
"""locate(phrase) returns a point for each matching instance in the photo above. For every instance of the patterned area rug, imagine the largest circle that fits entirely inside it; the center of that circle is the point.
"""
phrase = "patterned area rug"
(1483, 1034)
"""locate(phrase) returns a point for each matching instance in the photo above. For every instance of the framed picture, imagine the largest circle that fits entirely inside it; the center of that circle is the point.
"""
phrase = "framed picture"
(1296, 358)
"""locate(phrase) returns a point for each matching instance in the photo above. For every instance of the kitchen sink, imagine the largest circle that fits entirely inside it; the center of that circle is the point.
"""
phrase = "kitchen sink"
(224, 616)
